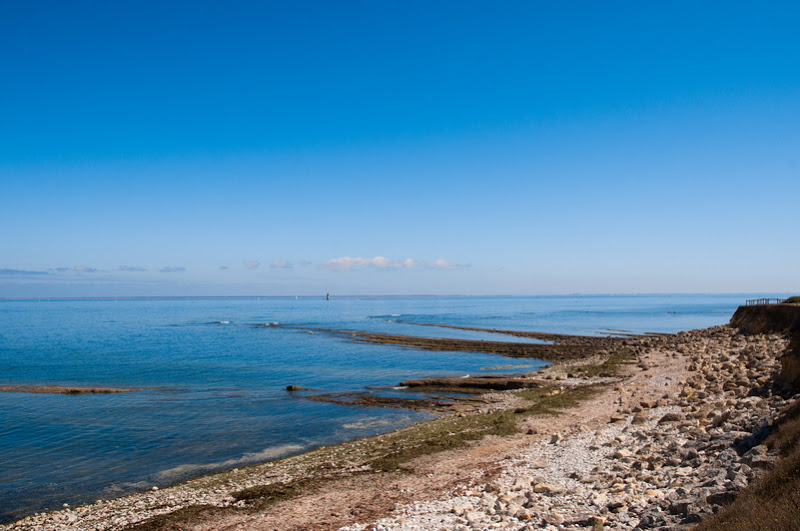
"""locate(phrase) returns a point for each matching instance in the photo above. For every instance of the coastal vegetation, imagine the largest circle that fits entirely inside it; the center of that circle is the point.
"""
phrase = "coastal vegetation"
(793, 300)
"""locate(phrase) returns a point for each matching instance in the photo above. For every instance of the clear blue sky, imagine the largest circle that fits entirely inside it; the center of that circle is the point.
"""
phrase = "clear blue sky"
(398, 147)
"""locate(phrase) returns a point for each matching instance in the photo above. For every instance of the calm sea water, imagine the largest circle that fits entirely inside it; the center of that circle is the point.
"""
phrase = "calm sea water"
(215, 379)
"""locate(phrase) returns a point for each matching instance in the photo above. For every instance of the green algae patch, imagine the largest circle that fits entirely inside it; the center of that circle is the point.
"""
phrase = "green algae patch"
(550, 400)
(610, 367)
(440, 435)
(176, 520)
(262, 496)
(453, 432)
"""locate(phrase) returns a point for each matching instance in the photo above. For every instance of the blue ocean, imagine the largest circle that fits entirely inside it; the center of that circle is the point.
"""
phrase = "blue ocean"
(213, 374)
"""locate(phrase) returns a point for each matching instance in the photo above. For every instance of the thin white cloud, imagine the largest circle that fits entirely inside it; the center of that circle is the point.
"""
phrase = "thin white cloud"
(131, 268)
(305, 263)
(346, 263)
(444, 264)
(21, 272)
(85, 269)
(170, 269)
(281, 264)
(251, 264)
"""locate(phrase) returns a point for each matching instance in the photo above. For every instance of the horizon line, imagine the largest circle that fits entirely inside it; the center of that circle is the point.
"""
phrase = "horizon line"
(357, 296)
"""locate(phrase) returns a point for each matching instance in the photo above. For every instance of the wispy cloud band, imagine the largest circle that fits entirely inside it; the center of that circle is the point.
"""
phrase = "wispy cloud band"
(170, 269)
(131, 268)
(346, 263)
(4, 271)
(85, 269)
(281, 264)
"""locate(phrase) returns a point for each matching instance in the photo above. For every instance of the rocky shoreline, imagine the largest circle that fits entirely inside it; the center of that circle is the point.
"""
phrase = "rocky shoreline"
(662, 464)
(665, 443)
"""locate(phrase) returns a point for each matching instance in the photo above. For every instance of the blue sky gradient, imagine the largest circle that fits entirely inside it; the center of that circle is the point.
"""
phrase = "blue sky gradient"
(296, 148)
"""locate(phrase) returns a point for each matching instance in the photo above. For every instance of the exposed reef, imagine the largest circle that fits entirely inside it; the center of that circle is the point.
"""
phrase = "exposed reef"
(555, 347)
(64, 390)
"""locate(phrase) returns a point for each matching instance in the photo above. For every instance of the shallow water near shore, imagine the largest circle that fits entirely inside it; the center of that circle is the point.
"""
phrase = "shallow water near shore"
(214, 377)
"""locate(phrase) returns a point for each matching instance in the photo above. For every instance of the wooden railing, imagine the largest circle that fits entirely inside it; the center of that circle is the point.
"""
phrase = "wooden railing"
(753, 302)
